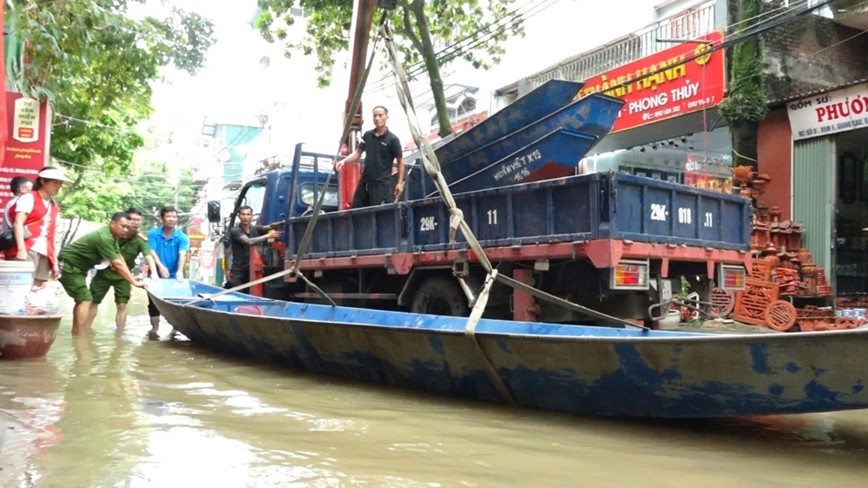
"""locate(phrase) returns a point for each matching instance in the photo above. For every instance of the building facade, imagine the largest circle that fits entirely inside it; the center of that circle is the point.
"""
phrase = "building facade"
(811, 143)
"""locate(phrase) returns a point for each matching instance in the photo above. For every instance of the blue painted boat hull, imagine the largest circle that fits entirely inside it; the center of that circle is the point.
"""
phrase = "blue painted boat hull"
(592, 116)
(580, 369)
(543, 100)
(554, 155)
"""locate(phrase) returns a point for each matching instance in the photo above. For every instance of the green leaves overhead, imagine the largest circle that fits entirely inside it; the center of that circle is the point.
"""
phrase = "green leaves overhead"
(95, 198)
(746, 101)
(430, 34)
(98, 195)
(95, 61)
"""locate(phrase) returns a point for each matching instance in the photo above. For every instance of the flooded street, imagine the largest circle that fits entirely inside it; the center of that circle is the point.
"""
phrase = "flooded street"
(119, 410)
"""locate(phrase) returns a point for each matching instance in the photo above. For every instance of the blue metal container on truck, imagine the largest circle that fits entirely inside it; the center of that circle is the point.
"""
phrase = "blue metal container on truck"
(543, 100)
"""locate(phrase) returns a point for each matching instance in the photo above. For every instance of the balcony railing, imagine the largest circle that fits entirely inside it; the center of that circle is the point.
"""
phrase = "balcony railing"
(689, 24)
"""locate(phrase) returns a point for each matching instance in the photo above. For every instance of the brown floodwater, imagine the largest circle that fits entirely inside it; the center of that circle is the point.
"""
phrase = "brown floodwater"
(118, 410)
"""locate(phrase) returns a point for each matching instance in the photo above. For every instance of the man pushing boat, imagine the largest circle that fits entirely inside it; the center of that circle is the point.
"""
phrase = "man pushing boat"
(93, 249)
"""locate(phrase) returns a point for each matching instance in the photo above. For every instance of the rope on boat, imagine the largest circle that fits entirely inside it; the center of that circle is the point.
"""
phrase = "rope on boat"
(264, 279)
(456, 216)
(317, 209)
(243, 286)
(432, 167)
(470, 333)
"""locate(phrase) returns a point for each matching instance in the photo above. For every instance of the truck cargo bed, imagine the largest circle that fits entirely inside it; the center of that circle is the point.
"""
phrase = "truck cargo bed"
(577, 208)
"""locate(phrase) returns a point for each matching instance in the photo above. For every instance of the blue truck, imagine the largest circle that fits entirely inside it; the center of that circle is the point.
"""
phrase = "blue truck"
(612, 242)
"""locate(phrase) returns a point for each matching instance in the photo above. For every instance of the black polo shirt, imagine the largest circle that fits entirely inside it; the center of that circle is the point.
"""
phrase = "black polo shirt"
(241, 252)
(380, 152)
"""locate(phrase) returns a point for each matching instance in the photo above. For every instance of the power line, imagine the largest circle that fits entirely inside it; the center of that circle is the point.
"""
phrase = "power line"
(765, 21)
(471, 41)
(66, 121)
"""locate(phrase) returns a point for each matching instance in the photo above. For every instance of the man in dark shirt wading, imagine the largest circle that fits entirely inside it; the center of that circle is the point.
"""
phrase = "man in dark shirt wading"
(381, 148)
(241, 237)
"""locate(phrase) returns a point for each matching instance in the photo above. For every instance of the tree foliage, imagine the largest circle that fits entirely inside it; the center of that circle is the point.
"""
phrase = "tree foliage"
(471, 30)
(151, 192)
(95, 63)
(98, 195)
(746, 102)
(95, 199)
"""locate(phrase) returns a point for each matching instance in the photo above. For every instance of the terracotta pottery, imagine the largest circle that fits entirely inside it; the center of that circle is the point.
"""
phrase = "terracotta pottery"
(775, 213)
(759, 186)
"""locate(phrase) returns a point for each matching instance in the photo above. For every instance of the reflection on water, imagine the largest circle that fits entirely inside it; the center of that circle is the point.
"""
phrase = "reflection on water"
(118, 410)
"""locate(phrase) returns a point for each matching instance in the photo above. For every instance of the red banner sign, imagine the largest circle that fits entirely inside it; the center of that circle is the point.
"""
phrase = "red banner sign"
(677, 81)
(26, 148)
(3, 133)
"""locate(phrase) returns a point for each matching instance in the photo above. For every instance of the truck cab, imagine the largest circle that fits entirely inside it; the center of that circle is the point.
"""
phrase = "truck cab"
(278, 192)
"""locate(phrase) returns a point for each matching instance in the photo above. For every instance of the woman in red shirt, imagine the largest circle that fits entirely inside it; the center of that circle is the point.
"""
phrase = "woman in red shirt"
(37, 212)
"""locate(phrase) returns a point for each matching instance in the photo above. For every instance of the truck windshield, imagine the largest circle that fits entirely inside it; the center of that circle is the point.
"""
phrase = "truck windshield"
(307, 197)
(254, 195)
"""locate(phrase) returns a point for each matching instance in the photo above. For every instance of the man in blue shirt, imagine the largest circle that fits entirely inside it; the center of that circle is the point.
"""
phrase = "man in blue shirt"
(170, 247)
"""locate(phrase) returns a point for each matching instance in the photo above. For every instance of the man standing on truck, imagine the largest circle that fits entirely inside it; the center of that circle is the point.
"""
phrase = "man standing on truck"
(169, 246)
(381, 148)
(241, 237)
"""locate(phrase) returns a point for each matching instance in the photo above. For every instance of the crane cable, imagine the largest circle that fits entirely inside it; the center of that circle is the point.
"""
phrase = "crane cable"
(317, 208)
(456, 216)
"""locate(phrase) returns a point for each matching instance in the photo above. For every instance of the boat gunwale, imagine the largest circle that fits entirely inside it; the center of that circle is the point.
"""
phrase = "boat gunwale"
(483, 329)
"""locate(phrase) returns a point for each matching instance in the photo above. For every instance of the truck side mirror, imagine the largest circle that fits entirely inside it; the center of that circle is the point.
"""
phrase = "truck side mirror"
(214, 211)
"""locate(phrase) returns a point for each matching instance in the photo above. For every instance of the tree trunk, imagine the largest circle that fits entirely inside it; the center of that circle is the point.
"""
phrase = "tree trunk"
(744, 142)
(70, 232)
(429, 57)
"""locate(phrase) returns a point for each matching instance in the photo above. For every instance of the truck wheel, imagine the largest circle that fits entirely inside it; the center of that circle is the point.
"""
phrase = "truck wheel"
(440, 295)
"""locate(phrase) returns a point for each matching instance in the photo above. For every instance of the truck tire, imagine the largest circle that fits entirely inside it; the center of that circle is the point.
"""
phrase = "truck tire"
(440, 295)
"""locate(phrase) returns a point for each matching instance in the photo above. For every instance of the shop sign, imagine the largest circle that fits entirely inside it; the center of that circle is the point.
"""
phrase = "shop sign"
(207, 255)
(825, 114)
(678, 81)
(207, 258)
(27, 139)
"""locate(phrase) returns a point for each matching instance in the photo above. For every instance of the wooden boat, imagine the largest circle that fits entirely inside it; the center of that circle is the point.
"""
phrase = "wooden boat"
(554, 155)
(549, 97)
(27, 336)
(581, 369)
(590, 118)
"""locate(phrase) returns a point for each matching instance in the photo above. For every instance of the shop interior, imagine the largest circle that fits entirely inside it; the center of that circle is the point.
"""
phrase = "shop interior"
(700, 159)
(851, 215)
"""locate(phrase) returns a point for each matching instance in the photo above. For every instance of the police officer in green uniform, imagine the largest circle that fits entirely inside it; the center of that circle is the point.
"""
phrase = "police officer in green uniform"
(130, 246)
(90, 250)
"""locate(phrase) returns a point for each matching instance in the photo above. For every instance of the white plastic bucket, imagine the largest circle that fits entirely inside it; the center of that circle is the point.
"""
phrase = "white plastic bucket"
(670, 321)
(16, 279)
